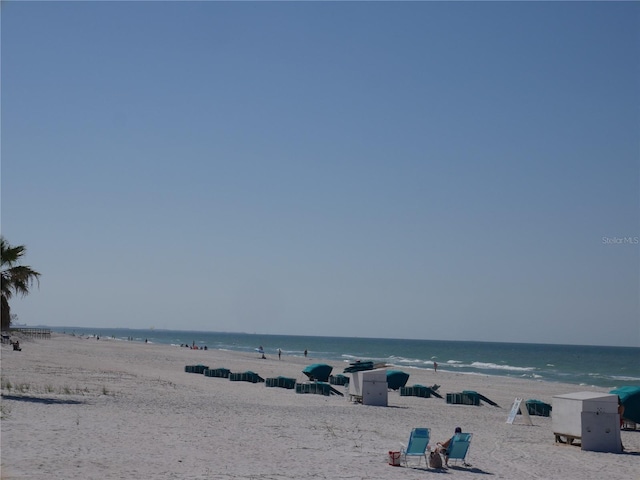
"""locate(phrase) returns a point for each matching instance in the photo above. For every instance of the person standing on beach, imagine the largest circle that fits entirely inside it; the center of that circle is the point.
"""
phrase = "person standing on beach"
(279, 354)
(435, 367)
(305, 353)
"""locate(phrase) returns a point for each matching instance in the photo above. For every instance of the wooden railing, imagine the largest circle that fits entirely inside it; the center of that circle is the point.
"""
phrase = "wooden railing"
(32, 332)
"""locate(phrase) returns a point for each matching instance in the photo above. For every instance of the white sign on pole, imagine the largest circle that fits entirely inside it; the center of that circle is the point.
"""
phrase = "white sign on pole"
(518, 405)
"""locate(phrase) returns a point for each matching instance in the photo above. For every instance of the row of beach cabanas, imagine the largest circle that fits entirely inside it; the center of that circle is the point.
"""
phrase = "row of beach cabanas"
(397, 380)
(321, 381)
(314, 372)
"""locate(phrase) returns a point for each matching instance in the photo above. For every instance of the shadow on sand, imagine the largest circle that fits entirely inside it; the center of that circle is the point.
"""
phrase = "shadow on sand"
(469, 469)
(445, 471)
(43, 400)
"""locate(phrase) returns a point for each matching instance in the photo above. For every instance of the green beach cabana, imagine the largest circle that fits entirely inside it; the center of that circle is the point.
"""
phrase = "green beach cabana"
(247, 376)
(282, 382)
(217, 372)
(468, 397)
(537, 407)
(200, 368)
(630, 398)
(319, 388)
(338, 379)
(416, 391)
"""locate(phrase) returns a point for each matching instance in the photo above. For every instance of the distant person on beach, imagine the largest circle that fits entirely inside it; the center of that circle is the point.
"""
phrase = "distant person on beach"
(16, 346)
(435, 367)
(620, 411)
(305, 353)
(279, 354)
(443, 447)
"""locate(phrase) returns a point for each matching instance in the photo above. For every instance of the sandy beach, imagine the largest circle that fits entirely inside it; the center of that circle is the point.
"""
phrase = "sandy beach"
(76, 408)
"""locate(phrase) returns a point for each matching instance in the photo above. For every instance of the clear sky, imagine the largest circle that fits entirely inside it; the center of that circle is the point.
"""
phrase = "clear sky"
(462, 171)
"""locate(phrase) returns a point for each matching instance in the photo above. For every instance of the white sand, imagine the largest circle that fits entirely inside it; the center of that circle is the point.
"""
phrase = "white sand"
(105, 409)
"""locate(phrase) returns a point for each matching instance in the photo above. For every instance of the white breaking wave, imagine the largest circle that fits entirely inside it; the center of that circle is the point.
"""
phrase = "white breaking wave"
(495, 366)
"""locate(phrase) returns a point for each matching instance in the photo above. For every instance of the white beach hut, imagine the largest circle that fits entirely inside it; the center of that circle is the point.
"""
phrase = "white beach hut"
(369, 387)
(590, 417)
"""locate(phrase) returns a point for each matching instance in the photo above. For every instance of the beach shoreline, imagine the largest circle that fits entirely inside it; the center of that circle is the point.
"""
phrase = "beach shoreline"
(86, 408)
(601, 366)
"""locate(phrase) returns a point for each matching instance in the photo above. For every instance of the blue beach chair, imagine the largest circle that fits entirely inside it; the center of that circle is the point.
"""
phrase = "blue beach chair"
(417, 447)
(458, 448)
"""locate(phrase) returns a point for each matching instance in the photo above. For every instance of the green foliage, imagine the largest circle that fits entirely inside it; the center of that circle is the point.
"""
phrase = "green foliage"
(16, 279)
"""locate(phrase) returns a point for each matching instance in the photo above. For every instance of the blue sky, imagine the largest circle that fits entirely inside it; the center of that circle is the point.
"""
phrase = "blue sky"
(463, 171)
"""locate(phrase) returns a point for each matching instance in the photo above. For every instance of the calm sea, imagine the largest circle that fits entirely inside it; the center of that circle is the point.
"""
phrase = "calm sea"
(608, 367)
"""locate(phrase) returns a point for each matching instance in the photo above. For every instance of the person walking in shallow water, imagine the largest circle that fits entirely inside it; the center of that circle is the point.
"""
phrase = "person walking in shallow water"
(305, 353)
(279, 354)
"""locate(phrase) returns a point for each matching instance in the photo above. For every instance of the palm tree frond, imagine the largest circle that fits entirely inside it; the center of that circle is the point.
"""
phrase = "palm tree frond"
(11, 255)
(19, 279)
(15, 279)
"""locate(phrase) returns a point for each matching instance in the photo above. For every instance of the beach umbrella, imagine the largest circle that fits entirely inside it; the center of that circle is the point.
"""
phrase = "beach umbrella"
(318, 371)
(396, 379)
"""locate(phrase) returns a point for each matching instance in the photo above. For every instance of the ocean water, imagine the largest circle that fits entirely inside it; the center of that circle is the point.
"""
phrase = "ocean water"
(607, 367)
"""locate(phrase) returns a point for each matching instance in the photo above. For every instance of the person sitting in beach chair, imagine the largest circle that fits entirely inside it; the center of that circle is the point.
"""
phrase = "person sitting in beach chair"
(445, 445)
(16, 346)
(456, 447)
